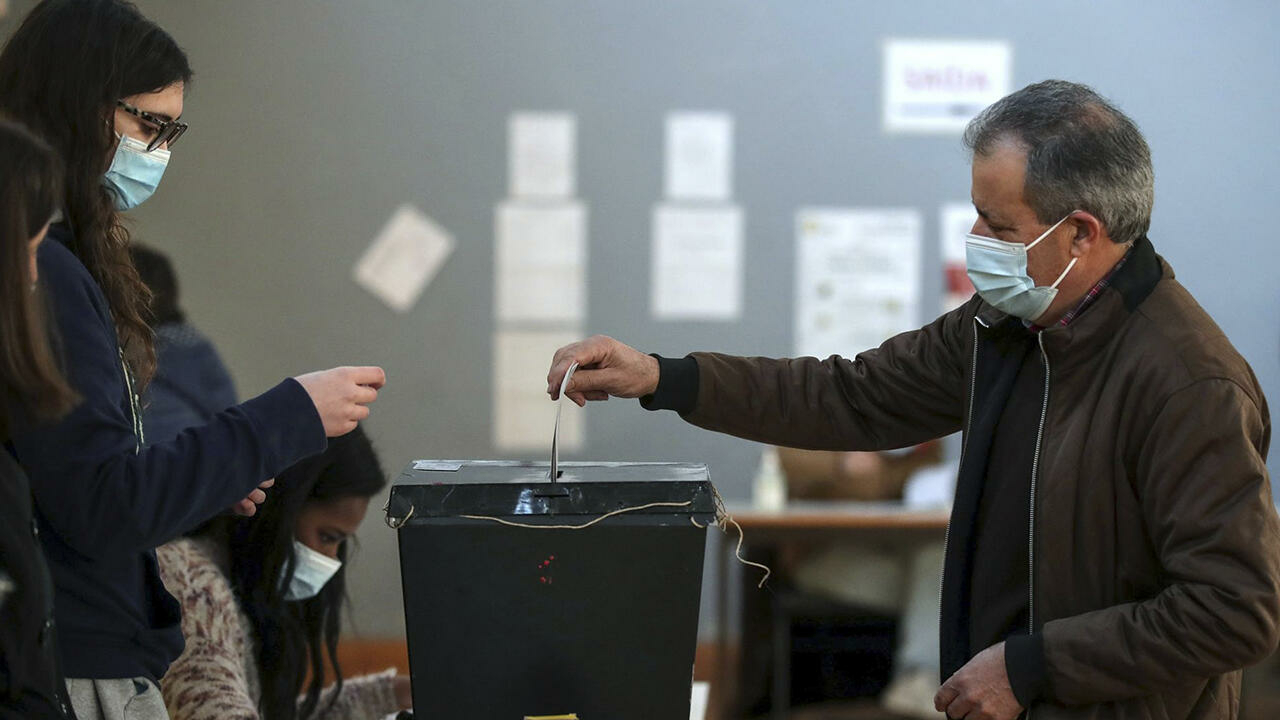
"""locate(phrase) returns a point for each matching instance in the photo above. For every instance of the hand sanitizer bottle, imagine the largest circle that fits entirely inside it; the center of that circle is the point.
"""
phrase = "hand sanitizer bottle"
(769, 491)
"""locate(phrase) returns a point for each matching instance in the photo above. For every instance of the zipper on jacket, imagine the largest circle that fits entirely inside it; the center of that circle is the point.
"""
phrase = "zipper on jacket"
(1031, 528)
(964, 446)
(135, 404)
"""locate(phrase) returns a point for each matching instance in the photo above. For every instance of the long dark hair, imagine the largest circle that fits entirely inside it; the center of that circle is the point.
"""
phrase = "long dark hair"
(294, 637)
(30, 380)
(61, 74)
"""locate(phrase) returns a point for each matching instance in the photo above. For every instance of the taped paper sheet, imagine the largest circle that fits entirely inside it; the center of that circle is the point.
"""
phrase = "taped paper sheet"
(699, 150)
(522, 411)
(540, 262)
(697, 263)
(857, 278)
(404, 258)
(542, 154)
(955, 222)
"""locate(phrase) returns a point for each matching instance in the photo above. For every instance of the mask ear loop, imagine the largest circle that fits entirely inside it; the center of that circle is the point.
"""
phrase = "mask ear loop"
(1044, 235)
(1052, 227)
(1064, 272)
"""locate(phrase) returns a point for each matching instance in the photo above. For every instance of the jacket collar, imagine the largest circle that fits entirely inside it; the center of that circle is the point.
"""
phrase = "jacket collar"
(1095, 327)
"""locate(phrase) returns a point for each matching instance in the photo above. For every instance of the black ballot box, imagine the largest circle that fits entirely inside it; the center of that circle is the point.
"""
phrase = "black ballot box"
(528, 599)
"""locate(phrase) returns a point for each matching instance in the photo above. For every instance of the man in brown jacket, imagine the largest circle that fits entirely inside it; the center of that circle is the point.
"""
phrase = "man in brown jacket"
(1114, 550)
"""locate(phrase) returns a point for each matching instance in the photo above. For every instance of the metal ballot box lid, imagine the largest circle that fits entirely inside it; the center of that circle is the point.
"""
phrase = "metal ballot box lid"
(513, 489)
(527, 598)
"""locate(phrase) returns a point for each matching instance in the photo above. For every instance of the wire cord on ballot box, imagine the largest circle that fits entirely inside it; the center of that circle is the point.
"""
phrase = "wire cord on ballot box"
(723, 521)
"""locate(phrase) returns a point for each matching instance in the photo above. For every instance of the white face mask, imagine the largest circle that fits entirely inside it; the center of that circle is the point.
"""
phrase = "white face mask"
(998, 270)
(310, 574)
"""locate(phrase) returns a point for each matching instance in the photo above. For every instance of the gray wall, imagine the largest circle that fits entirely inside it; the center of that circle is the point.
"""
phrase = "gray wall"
(312, 120)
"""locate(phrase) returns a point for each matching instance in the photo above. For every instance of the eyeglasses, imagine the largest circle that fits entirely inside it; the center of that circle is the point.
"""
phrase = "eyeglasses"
(167, 131)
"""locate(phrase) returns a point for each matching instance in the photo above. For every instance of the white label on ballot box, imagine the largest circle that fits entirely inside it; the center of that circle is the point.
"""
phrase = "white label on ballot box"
(437, 465)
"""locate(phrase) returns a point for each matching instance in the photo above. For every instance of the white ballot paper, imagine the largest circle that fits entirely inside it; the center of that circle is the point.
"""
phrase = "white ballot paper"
(554, 473)
(542, 153)
(699, 149)
(540, 272)
(955, 222)
(522, 410)
(857, 278)
(403, 258)
(939, 85)
(697, 263)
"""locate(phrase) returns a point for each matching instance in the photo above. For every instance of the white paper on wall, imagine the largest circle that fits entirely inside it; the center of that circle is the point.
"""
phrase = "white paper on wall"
(542, 155)
(523, 415)
(697, 263)
(857, 278)
(540, 262)
(403, 258)
(955, 221)
(939, 85)
(699, 156)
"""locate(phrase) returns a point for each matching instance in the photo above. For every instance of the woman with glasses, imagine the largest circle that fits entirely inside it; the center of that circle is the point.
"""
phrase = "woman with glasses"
(104, 87)
(34, 390)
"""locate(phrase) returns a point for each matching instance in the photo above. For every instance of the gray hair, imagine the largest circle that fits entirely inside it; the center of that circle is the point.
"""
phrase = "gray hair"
(1082, 154)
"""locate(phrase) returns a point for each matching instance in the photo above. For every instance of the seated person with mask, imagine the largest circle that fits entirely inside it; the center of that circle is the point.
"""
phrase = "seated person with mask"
(261, 601)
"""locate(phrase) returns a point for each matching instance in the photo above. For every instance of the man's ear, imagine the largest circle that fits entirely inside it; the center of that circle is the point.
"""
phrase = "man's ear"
(1089, 231)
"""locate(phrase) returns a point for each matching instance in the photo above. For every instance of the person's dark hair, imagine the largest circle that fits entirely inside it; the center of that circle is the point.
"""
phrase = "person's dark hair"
(61, 74)
(157, 273)
(1082, 154)
(30, 380)
(294, 637)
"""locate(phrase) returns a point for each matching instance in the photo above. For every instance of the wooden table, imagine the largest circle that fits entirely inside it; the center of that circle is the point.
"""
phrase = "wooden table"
(798, 521)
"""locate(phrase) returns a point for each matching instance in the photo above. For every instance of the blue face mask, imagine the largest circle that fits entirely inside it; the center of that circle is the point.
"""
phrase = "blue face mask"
(134, 173)
(998, 270)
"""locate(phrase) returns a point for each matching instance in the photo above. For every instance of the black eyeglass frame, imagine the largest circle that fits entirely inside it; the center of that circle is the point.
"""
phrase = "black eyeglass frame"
(167, 131)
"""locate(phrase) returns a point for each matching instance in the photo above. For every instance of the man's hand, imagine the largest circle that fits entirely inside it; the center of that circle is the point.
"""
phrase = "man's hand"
(342, 394)
(980, 690)
(248, 506)
(605, 367)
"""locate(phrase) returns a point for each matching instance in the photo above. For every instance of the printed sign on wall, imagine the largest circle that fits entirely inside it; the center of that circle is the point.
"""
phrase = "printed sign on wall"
(939, 86)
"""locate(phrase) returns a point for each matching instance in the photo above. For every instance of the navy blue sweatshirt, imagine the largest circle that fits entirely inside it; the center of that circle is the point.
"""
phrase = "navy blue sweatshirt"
(104, 503)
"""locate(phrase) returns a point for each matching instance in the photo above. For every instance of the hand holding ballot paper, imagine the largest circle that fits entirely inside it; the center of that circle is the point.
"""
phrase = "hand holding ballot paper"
(605, 367)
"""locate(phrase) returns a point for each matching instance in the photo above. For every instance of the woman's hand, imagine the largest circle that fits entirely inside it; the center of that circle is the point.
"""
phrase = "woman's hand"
(249, 506)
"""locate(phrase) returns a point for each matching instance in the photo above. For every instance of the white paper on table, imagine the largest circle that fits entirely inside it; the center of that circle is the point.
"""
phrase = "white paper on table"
(699, 156)
(857, 278)
(540, 272)
(699, 695)
(523, 414)
(955, 221)
(697, 263)
(939, 85)
(542, 155)
(403, 258)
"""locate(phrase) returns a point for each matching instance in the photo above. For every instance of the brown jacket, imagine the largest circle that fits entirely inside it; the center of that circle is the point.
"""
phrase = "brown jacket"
(1155, 541)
